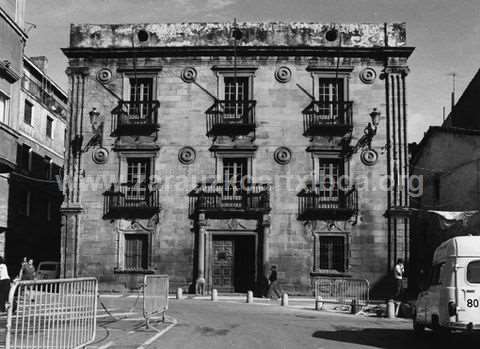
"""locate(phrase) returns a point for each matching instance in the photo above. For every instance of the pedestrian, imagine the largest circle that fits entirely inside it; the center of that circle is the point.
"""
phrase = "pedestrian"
(4, 284)
(398, 273)
(28, 270)
(273, 290)
(24, 262)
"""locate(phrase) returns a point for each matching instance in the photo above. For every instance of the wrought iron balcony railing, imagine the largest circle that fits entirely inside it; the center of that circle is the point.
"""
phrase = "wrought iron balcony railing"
(230, 118)
(327, 118)
(319, 203)
(221, 200)
(130, 200)
(135, 118)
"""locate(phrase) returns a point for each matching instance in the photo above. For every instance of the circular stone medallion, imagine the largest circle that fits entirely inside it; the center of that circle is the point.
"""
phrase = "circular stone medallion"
(282, 155)
(104, 75)
(187, 155)
(100, 156)
(283, 74)
(369, 157)
(368, 75)
(189, 74)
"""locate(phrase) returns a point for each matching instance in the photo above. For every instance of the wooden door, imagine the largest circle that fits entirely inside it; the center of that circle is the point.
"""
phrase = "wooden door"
(223, 264)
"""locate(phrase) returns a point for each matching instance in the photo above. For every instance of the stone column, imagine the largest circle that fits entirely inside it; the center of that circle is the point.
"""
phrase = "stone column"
(200, 283)
(397, 158)
(266, 223)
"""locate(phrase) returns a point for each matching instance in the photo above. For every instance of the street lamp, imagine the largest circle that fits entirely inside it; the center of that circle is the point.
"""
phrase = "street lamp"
(375, 116)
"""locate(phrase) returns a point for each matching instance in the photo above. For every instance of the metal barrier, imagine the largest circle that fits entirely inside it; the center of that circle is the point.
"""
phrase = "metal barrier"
(155, 296)
(341, 290)
(53, 314)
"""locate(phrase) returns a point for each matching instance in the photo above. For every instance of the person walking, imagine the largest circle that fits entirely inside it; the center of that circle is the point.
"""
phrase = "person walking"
(28, 270)
(398, 273)
(4, 284)
(273, 290)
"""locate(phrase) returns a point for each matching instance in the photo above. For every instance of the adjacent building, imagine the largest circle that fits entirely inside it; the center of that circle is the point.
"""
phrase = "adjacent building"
(35, 191)
(210, 152)
(12, 42)
(33, 112)
(447, 161)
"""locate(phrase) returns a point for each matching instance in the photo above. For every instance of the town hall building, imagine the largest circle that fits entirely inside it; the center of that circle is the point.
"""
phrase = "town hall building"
(211, 152)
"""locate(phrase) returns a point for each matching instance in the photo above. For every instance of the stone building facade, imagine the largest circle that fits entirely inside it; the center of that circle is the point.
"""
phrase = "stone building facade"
(12, 42)
(210, 152)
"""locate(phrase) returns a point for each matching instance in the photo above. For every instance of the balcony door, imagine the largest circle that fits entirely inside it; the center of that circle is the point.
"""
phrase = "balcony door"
(138, 173)
(330, 97)
(329, 172)
(141, 97)
(235, 177)
(236, 97)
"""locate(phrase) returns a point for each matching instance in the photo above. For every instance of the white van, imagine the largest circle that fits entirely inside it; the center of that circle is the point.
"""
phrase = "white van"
(452, 300)
(48, 270)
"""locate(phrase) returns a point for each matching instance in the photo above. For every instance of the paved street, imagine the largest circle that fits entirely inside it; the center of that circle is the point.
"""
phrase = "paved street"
(205, 324)
(230, 323)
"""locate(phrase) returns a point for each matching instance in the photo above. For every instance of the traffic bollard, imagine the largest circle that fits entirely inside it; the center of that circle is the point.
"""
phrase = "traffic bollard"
(354, 307)
(390, 309)
(214, 295)
(284, 300)
(179, 293)
(318, 303)
(249, 297)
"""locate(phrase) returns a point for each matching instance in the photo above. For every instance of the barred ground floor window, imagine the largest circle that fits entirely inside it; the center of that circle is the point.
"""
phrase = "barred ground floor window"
(331, 252)
(136, 251)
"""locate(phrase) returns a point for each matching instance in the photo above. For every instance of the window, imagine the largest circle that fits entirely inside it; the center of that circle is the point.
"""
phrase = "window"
(24, 201)
(141, 97)
(473, 272)
(330, 96)
(329, 172)
(26, 157)
(27, 112)
(236, 96)
(136, 251)
(235, 175)
(49, 130)
(332, 253)
(138, 173)
(48, 167)
(4, 103)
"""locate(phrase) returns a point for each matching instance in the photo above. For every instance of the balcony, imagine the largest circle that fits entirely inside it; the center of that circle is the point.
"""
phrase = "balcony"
(218, 200)
(316, 204)
(231, 118)
(130, 200)
(46, 98)
(327, 118)
(135, 118)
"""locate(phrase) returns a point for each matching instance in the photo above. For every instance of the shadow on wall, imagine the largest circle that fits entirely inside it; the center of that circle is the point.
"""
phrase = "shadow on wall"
(396, 338)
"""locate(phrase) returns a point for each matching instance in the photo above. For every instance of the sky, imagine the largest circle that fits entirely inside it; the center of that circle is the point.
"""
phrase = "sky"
(445, 33)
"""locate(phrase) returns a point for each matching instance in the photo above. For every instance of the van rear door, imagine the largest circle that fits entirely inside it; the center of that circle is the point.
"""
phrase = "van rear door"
(468, 284)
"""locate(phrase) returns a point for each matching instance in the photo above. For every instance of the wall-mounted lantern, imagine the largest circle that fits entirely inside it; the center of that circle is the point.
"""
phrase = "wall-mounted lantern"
(368, 156)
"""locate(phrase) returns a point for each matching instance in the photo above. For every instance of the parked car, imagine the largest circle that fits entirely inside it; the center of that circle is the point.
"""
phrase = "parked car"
(452, 299)
(48, 270)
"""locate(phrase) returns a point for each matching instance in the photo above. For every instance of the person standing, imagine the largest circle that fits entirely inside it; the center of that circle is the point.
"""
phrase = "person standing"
(398, 273)
(274, 289)
(4, 284)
